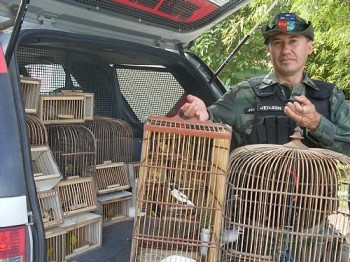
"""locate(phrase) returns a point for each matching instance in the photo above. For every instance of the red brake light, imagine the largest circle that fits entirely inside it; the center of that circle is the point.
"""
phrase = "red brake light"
(13, 243)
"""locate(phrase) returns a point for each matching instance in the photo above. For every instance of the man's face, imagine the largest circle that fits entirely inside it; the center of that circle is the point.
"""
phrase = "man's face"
(289, 53)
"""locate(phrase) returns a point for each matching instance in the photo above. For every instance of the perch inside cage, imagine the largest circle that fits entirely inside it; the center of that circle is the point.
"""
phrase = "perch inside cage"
(114, 139)
(286, 203)
(73, 147)
(181, 189)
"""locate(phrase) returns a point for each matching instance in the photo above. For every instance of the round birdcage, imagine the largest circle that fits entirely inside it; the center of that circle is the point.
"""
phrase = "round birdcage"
(37, 131)
(74, 148)
(114, 138)
(286, 203)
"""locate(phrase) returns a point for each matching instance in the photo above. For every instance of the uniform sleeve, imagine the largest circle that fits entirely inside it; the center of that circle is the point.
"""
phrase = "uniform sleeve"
(334, 133)
(230, 107)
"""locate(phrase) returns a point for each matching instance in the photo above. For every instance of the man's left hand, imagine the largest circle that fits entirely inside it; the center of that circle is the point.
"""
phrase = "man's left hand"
(303, 112)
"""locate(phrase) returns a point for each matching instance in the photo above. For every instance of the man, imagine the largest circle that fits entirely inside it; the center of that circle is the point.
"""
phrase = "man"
(267, 109)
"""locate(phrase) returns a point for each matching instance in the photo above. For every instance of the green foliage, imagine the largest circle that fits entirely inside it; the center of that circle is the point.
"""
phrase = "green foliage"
(331, 57)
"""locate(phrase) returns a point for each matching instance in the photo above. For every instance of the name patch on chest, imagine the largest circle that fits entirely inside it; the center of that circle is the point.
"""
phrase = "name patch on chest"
(264, 108)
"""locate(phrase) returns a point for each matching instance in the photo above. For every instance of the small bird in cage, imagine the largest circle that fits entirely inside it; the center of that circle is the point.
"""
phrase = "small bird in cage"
(179, 196)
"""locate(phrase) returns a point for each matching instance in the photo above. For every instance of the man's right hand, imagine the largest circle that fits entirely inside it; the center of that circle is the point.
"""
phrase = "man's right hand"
(194, 107)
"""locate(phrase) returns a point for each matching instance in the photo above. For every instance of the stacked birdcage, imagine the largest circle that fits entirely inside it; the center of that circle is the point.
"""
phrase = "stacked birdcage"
(45, 170)
(74, 148)
(286, 203)
(31, 91)
(114, 139)
(181, 190)
(66, 107)
(83, 233)
(50, 207)
(55, 239)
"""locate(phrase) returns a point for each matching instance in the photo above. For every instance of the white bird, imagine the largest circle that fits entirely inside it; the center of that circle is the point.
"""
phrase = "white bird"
(181, 197)
(230, 236)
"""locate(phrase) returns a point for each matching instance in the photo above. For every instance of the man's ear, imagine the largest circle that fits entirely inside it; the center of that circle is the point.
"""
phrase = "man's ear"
(309, 47)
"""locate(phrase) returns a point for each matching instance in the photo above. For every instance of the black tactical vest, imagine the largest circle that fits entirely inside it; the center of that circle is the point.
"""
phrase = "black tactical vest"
(271, 125)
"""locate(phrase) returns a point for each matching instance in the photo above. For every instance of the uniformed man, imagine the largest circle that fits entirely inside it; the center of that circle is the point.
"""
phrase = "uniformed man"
(266, 109)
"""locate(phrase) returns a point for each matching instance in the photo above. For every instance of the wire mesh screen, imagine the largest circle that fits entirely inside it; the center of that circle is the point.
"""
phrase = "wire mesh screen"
(181, 190)
(286, 203)
(135, 84)
(59, 69)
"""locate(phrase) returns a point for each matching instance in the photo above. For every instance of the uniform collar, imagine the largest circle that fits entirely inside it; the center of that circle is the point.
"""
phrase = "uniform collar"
(271, 79)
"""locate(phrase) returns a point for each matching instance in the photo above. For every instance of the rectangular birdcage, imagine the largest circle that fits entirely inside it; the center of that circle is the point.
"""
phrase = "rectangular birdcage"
(60, 109)
(89, 101)
(110, 177)
(114, 207)
(31, 91)
(84, 233)
(50, 207)
(45, 170)
(55, 239)
(181, 190)
(78, 195)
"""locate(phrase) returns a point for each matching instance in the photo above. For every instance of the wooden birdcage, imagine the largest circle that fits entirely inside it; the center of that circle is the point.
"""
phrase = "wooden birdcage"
(50, 208)
(73, 147)
(114, 139)
(31, 92)
(45, 170)
(110, 177)
(61, 109)
(84, 233)
(114, 207)
(89, 102)
(55, 244)
(37, 131)
(77, 195)
(181, 190)
(286, 203)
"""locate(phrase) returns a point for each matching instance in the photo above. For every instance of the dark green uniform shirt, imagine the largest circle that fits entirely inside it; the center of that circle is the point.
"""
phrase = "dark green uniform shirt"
(230, 110)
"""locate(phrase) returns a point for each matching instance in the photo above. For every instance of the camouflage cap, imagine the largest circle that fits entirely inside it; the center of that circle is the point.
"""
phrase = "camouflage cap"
(288, 23)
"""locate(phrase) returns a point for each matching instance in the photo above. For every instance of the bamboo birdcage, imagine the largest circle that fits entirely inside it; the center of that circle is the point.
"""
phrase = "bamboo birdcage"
(184, 156)
(89, 102)
(61, 109)
(37, 131)
(109, 177)
(114, 138)
(84, 233)
(55, 244)
(45, 170)
(114, 207)
(31, 91)
(78, 195)
(286, 203)
(73, 147)
(50, 208)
